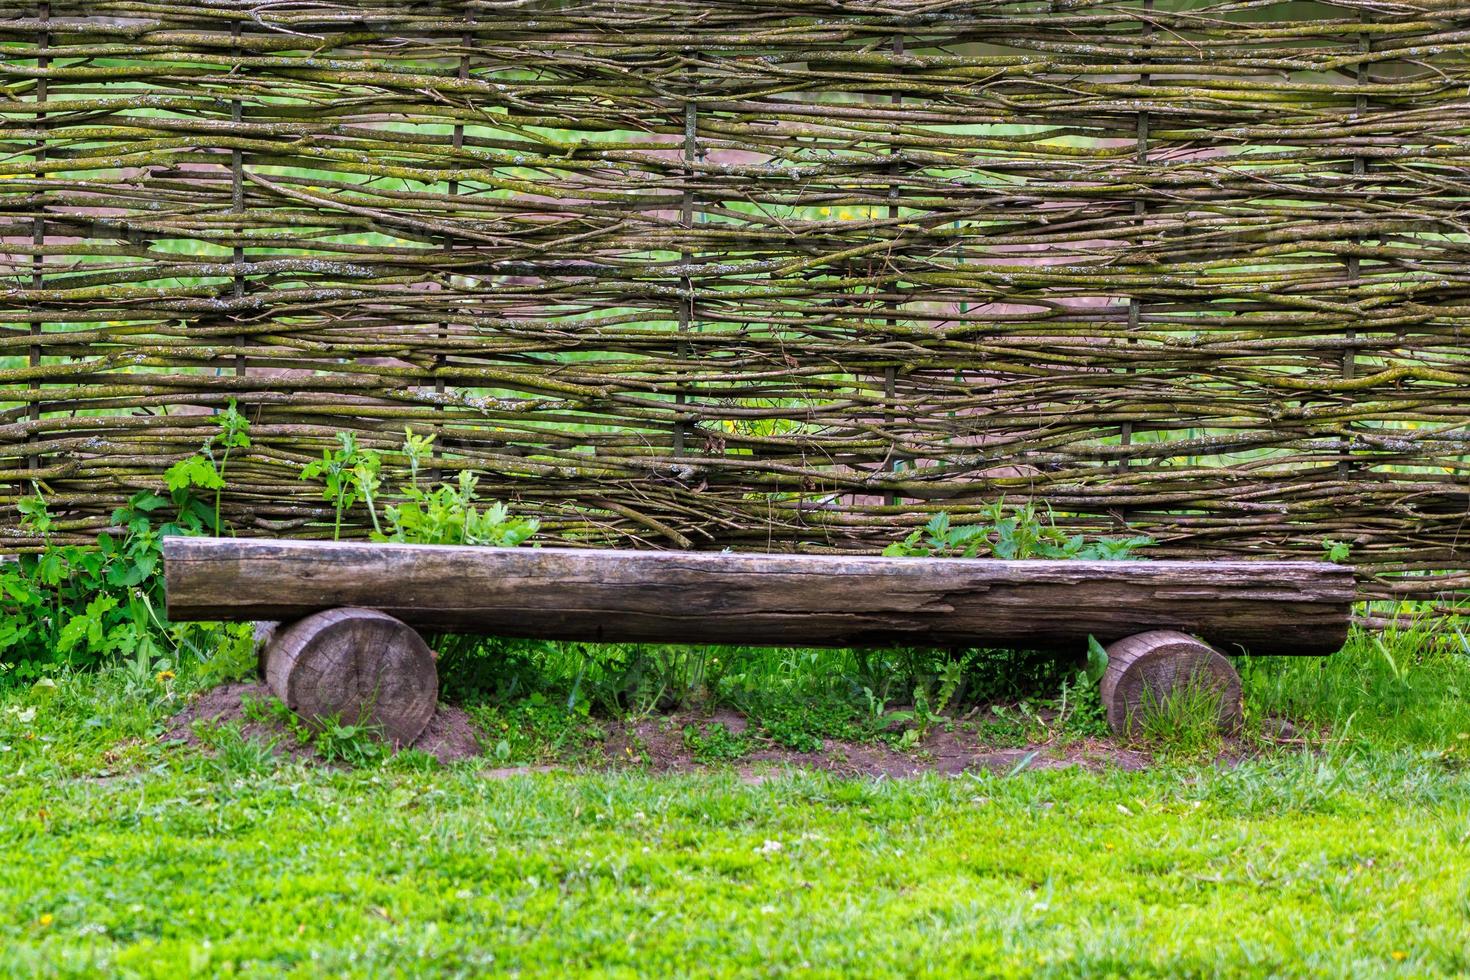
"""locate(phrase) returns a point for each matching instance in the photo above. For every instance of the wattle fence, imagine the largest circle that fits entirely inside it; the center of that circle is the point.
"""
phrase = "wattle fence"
(768, 274)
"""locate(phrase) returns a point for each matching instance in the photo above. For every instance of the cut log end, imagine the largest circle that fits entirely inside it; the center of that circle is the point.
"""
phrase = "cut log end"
(359, 666)
(1147, 669)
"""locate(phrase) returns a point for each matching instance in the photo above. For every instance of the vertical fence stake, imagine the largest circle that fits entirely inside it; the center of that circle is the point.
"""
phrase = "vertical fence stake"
(1354, 265)
(440, 358)
(1140, 212)
(890, 373)
(38, 235)
(237, 205)
(686, 255)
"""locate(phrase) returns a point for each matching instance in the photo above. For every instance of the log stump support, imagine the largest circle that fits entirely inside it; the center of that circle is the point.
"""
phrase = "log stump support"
(1146, 669)
(359, 666)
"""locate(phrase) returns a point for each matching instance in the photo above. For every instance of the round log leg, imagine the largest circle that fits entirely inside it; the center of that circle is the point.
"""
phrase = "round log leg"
(262, 632)
(1146, 668)
(359, 665)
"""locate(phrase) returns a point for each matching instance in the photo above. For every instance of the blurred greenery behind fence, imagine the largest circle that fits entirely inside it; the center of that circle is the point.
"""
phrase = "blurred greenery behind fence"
(769, 276)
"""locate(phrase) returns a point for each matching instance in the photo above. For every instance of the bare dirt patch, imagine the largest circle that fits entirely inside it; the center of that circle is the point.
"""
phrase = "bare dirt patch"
(450, 736)
(659, 744)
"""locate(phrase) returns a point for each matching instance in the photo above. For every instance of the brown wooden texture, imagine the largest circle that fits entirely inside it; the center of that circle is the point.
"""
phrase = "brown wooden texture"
(1146, 668)
(1268, 607)
(357, 665)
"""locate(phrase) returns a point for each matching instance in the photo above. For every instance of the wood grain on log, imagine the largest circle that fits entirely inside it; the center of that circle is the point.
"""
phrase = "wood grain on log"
(1146, 669)
(359, 666)
(693, 597)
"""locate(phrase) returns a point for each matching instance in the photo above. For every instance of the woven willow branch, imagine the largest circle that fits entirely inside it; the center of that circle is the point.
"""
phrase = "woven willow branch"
(786, 274)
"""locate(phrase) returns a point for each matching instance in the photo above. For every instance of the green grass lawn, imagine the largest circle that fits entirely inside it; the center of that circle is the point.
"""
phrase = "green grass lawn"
(1293, 865)
(128, 854)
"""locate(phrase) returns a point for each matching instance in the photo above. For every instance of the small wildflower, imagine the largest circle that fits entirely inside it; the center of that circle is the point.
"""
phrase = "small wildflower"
(165, 675)
(1399, 955)
(46, 919)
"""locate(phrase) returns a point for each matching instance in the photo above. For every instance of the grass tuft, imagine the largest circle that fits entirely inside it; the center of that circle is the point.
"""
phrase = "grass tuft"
(1182, 723)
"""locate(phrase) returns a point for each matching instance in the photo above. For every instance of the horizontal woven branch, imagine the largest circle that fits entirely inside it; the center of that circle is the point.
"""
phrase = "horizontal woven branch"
(771, 275)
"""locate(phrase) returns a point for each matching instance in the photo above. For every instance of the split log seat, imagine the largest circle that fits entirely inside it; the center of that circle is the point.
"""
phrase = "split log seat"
(349, 646)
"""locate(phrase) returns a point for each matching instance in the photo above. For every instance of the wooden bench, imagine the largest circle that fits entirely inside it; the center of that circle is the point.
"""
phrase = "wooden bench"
(349, 612)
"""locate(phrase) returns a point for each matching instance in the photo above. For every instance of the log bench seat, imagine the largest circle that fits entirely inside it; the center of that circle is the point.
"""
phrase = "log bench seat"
(349, 612)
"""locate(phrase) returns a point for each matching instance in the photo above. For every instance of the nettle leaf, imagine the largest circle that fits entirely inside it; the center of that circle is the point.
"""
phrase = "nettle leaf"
(147, 501)
(962, 536)
(1006, 543)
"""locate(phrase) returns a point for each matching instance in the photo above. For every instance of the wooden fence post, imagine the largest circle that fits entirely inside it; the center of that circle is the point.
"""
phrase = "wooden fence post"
(890, 307)
(440, 358)
(237, 205)
(685, 311)
(1345, 466)
(1140, 212)
(38, 237)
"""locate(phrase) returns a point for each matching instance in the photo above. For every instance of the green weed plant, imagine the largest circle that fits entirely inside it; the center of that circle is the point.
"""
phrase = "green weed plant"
(1012, 534)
